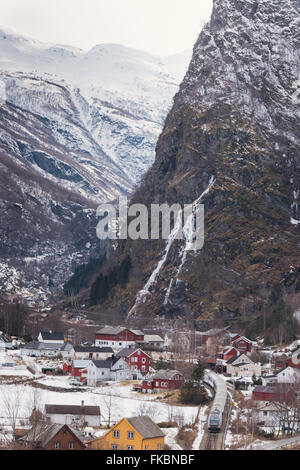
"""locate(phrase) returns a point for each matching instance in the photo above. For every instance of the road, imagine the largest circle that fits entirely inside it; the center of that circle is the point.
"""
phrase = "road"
(274, 445)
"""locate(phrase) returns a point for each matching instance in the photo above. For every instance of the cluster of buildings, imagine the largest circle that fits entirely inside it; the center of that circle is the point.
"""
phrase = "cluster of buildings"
(135, 433)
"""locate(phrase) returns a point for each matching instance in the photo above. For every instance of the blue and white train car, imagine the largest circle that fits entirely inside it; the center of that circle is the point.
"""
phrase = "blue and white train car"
(215, 418)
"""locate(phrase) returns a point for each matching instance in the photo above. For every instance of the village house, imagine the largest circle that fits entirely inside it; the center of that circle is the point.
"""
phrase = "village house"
(137, 433)
(38, 349)
(274, 393)
(118, 338)
(152, 343)
(74, 415)
(268, 415)
(228, 353)
(163, 380)
(77, 369)
(288, 375)
(52, 437)
(242, 366)
(51, 337)
(7, 361)
(113, 368)
(91, 352)
(137, 359)
(242, 344)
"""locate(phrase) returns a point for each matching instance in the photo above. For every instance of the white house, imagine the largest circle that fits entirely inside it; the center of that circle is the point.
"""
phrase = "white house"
(268, 415)
(288, 375)
(242, 366)
(51, 337)
(91, 352)
(121, 370)
(7, 361)
(74, 415)
(38, 349)
(98, 371)
(111, 369)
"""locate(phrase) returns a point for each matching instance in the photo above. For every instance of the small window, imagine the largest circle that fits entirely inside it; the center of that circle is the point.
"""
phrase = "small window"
(130, 435)
(130, 447)
(146, 447)
(116, 434)
(114, 447)
(56, 445)
(71, 445)
(158, 446)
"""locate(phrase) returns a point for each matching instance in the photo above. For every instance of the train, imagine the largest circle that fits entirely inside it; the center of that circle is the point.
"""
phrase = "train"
(215, 418)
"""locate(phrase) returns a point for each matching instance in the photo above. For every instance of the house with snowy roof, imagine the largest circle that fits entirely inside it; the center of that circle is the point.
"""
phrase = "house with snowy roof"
(41, 349)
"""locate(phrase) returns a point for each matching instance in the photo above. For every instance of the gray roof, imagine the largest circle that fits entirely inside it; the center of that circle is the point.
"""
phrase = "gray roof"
(165, 374)
(126, 352)
(145, 427)
(80, 410)
(42, 433)
(153, 338)
(105, 364)
(38, 346)
(214, 331)
(93, 349)
(111, 330)
(52, 335)
(233, 358)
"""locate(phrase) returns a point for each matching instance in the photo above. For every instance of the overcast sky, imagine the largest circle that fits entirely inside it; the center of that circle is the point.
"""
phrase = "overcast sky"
(162, 27)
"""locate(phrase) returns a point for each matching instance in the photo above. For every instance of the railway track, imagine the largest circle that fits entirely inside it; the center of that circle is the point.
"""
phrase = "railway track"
(211, 443)
(216, 441)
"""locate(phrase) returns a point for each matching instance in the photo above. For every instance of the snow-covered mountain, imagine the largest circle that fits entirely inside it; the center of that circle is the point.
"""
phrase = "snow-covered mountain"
(76, 128)
(120, 96)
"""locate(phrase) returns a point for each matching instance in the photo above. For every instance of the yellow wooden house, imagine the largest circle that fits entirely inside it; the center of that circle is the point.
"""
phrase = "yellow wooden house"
(137, 433)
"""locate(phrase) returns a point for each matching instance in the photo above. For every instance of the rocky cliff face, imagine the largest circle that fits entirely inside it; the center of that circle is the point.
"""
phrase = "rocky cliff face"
(233, 136)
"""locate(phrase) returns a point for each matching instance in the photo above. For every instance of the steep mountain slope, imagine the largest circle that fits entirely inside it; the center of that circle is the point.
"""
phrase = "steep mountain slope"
(233, 137)
(76, 129)
(121, 95)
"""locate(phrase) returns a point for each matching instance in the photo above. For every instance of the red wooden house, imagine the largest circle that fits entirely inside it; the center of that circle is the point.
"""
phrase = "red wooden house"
(228, 353)
(118, 338)
(242, 344)
(136, 358)
(163, 380)
(52, 437)
(77, 369)
(275, 392)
